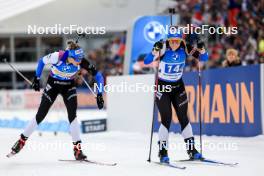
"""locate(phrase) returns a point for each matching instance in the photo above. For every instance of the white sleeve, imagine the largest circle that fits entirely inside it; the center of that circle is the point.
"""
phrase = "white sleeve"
(51, 58)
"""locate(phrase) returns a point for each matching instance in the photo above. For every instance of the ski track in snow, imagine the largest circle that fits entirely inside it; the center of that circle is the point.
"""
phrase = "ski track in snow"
(130, 150)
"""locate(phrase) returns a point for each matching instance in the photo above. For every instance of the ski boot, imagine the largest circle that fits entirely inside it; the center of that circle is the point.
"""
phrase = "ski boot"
(163, 152)
(18, 145)
(191, 150)
(78, 154)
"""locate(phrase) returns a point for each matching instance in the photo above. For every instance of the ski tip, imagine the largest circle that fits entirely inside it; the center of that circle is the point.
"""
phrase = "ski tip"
(234, 164)
(9, 155)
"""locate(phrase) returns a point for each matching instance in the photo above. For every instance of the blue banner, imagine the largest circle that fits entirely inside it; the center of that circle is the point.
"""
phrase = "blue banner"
(231, 104)
(147, 30)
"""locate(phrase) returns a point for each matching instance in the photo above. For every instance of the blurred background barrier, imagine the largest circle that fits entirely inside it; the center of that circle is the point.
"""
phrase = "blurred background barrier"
(17, 107)
(29, 99)
(55, 121)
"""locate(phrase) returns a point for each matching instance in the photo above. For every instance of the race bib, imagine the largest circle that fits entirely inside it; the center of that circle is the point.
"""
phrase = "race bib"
(171, 71)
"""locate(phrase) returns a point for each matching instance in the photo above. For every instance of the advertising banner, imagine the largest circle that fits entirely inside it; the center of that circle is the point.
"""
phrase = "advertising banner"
(146, 31)
(231, 103)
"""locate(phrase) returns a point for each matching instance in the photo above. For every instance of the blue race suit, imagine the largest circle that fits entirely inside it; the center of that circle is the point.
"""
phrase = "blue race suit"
(170, 73)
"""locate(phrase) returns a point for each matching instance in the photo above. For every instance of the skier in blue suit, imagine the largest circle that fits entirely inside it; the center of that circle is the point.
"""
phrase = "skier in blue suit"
(172, 55)
(65, 66)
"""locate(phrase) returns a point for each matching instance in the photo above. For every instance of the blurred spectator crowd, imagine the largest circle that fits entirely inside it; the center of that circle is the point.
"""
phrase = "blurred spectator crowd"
(246, 15)
(109, 58)
(244, 48)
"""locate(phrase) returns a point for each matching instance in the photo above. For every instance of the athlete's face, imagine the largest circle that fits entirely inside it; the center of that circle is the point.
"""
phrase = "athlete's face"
(174, 43)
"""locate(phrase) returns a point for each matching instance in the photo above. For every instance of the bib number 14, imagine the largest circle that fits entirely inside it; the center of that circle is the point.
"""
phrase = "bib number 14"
(172, 68)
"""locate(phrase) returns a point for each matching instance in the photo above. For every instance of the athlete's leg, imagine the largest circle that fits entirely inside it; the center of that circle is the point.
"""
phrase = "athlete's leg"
(70, 100)
(180, 103)
(48, 97)
(164, 105)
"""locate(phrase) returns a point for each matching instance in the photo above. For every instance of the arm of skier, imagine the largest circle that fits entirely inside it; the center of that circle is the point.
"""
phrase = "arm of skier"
(48, 59)
(99, 80)
(199, 52)
(158, 50)
(52, 58)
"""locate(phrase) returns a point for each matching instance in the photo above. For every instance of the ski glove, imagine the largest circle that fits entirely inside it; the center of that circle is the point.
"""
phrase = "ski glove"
(200, 44)
(158, 46)
(35, 84)
(100, 101)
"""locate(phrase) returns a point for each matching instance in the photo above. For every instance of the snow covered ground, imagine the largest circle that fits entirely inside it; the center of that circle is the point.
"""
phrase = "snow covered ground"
(130, 151)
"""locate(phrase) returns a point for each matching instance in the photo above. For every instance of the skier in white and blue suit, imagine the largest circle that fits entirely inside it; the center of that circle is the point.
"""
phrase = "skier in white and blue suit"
(65, 66)
(172, 55)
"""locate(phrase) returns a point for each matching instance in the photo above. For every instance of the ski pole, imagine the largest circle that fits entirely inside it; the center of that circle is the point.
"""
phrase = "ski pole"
(153, 117)
(200, 105)
(17, 71)
(86, 83)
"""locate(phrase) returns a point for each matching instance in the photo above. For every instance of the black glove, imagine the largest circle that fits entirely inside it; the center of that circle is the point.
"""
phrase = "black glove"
(158, 46)
(35, 84)
(200, 44)
(100, 101)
